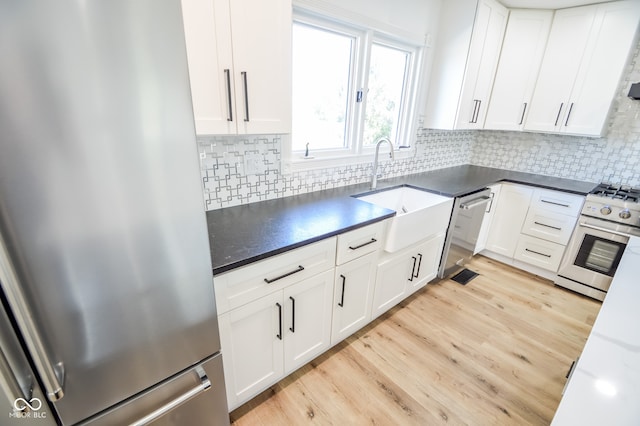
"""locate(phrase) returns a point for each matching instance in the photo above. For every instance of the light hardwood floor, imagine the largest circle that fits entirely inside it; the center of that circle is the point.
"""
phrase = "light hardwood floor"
(492, 352)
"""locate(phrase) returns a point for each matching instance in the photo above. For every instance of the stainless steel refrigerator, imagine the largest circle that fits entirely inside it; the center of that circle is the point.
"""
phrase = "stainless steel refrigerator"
(107, 289)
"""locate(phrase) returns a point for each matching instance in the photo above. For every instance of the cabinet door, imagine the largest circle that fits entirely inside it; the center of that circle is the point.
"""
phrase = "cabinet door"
(567, 42)
(208, 40)
(602, 65)
(352, 296)
(307, 320)
(522, 51)
(508, 219)
(392, 277)
(262, 63)
(252, 345)
(488, 218)
(428, 254)
(451, 51)
(484, 51)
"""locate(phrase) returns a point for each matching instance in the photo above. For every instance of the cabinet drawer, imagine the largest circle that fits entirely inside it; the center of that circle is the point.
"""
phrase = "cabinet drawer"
(534, 251)
(549, 226)
(556, 201)
(240, 286)
(359, 242)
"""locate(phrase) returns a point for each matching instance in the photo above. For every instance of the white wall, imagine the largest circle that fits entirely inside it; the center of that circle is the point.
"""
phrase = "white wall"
(417, 17)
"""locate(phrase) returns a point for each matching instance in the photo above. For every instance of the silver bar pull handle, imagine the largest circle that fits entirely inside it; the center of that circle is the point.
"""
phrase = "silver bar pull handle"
(203, 386)
(51, 374)
(611, 231)
(246, 96)
(475, 202)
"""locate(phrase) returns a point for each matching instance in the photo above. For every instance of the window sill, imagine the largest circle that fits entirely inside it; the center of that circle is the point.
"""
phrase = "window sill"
(299, 163)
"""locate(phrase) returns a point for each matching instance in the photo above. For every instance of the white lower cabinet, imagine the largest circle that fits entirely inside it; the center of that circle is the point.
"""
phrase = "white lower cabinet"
(508, 219)
(307, 320)
(352, 296)
(268, 338)
(278, 314)
(403, 273)
(253, 352)
(531, 227)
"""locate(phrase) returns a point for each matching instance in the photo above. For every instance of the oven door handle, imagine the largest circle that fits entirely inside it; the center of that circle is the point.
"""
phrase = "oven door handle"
(599, 228)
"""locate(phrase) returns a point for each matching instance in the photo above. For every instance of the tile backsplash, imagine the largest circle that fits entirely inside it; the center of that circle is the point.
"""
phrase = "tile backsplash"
(240, 170)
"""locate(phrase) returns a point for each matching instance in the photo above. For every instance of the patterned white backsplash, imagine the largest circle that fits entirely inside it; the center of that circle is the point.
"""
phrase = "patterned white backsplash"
(615, 157)
(227, 182)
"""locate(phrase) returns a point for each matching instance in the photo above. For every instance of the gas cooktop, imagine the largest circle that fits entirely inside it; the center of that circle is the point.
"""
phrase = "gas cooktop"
(617, 192)
(614, 203)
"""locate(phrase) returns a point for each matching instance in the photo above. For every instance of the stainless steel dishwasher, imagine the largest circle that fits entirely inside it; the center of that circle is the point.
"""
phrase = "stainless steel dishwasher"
(464, 227)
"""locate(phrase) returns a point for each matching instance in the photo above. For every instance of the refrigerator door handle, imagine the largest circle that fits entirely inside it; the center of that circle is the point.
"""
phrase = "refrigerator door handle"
(204, 385)
(51, 375)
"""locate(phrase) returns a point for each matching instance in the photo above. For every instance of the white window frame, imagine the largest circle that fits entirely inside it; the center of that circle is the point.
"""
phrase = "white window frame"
(365, 37)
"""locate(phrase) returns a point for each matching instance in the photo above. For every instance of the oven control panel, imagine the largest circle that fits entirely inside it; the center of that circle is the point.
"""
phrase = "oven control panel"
(628, 215)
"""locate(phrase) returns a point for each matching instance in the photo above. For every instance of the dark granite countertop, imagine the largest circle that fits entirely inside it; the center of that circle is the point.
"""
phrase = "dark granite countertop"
(461, 180)
(244, 234)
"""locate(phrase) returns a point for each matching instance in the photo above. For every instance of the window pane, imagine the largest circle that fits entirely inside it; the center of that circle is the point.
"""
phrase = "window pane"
(321, 75)
(386, 86)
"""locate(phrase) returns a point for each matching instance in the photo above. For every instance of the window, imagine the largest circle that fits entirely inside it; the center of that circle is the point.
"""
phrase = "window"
(387, 76)
(351, 86)
(322, 83)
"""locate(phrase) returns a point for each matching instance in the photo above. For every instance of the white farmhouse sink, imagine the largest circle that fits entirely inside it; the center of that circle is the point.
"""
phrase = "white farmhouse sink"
(419, 214)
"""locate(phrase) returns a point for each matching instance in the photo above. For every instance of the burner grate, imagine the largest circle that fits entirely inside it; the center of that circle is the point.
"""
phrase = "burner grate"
(623, 193)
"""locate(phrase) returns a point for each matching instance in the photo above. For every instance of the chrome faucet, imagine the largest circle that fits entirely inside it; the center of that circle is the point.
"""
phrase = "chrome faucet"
(374, 178)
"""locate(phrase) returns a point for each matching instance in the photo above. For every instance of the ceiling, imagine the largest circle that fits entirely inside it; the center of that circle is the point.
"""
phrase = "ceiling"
(546, 4)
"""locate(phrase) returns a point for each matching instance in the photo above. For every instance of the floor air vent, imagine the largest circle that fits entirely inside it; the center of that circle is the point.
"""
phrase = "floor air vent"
(464, 276)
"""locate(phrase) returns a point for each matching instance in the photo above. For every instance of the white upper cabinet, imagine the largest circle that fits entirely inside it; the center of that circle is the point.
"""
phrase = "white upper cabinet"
(239, 54)
(488, 32)
(586, 54)
(522, 51)
(465, 61)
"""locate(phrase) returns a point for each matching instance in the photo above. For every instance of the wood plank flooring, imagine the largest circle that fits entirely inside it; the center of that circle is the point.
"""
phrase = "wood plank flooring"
(495, 351)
